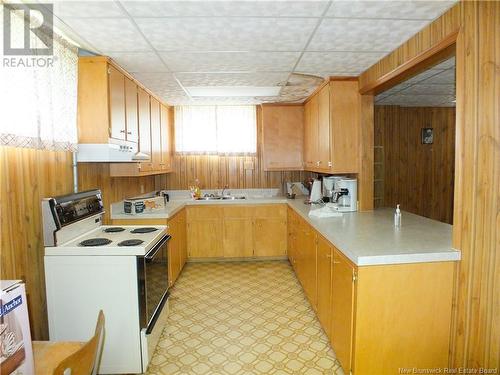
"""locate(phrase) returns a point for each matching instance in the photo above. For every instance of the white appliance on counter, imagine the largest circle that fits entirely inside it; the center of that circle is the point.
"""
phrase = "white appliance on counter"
(121, 270)
(345, 195)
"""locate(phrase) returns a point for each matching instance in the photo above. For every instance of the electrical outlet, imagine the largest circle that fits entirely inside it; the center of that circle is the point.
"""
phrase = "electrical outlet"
(142, 189)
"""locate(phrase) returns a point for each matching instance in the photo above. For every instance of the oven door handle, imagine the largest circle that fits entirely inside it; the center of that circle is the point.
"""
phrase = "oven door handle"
(151, 253)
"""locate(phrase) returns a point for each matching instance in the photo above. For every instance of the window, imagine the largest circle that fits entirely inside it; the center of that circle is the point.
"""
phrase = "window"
(38, 103)
(214, 129)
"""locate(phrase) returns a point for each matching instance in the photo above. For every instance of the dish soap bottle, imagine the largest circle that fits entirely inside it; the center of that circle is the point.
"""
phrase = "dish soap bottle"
(397, 217)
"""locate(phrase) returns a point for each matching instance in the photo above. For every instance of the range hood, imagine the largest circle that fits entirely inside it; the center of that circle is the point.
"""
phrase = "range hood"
(109, 153)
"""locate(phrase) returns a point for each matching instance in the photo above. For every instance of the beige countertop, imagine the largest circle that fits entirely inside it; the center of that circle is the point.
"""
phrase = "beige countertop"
(366, 238)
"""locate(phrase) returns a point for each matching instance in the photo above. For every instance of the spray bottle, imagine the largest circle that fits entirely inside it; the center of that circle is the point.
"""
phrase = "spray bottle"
(397, 217)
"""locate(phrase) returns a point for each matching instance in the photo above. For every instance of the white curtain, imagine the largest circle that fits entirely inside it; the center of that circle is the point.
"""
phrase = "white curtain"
(223, 130)
(38, 103)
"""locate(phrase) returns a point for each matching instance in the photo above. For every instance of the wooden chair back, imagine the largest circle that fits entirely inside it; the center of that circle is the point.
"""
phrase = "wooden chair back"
(85, 361)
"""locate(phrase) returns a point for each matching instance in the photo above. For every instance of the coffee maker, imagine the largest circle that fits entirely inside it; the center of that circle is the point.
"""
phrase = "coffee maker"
(345, 195)
(329, 186)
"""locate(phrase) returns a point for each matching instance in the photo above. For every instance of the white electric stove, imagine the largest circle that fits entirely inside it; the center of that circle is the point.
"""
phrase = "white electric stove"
(122, 270)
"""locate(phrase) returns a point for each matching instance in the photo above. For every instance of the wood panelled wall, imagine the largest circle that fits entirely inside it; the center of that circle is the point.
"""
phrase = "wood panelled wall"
(28, 176)
(475, 340)
(239, 172)
(418, 176)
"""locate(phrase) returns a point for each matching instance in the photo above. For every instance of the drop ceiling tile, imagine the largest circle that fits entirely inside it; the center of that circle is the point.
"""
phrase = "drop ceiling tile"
(444, 77)
(363, 35)
(354, 62)
(138, 61)
(225, 8)
(427, 74)
(227, 34)
(160, 83)
(427, 10)
(232, 79)
(447, 64)
(230, 61)
(415, 100)
(429, 89)
(109, 34)
(87, 9)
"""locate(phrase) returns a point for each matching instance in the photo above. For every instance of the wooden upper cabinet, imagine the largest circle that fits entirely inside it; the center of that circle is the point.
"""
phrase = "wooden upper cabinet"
(282, 137)
(324, 156)
(331, 130)
(132, 118)
(113, 108)
(118, 124)
(155, 134)
(144, 112)
(345, 105)
(343, 294)
(165, 138)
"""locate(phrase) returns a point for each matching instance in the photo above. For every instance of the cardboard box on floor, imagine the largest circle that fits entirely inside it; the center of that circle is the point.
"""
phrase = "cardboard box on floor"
(16, 351)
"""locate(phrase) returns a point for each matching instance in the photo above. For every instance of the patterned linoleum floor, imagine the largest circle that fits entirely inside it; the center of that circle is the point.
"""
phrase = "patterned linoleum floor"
(241, 318)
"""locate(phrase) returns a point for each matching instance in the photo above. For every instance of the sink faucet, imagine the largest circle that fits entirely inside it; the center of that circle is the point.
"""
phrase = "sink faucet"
(224, 189)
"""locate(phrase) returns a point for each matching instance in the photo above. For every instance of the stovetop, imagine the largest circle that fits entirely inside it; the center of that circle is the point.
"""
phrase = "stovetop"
(112, 240)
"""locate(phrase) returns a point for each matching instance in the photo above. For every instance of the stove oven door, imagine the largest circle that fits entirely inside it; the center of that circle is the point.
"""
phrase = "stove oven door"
(155, 281)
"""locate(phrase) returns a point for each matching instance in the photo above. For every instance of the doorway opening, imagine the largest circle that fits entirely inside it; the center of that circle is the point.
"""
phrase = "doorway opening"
(414, 143)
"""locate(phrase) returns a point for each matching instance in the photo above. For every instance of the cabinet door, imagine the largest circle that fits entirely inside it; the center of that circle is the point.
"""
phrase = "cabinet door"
(144, 112)
(342, 310)
(183, 238)
(204, 238)
(313, 132)
(270, 237)
(155, 134)
(309, 265)
(282, 137)
(165, 155)
(237, 237)
(132, 118)
(117, 103)
(344, 126)
(292, 237)
(174, 252)
(308, 141)
(324, 283)
(324, 128)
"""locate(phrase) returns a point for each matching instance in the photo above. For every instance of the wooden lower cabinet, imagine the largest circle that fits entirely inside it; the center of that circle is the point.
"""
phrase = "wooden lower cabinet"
(237, 231)
(379, 318)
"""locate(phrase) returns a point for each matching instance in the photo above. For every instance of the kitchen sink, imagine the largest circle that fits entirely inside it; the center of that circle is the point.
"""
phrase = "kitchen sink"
(219, 197)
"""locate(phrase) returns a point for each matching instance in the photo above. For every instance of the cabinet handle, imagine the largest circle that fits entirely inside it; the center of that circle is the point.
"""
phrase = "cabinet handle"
(329, 163)
(129, 133)
(122, 131)
(318, 163)
(336, 262)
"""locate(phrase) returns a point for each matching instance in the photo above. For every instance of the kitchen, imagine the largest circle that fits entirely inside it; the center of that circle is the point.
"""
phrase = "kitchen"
(308, 105)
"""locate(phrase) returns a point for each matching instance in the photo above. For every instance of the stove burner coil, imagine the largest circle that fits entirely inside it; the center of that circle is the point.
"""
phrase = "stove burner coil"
(114, 229)
(144, 230)
(130, 243)
(95, 242)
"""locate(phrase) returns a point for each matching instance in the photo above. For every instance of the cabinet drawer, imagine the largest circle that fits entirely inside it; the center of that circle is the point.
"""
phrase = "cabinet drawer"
(272, 210)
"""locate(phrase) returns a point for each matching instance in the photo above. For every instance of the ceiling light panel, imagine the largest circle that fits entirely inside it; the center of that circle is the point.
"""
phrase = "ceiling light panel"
(109, 34)
(232, 79)
(389, 9)
(135, 62)
(363, 35)
(87, 9)
(230, 61)
(338, 61)
(225, 8)
(227, 34)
